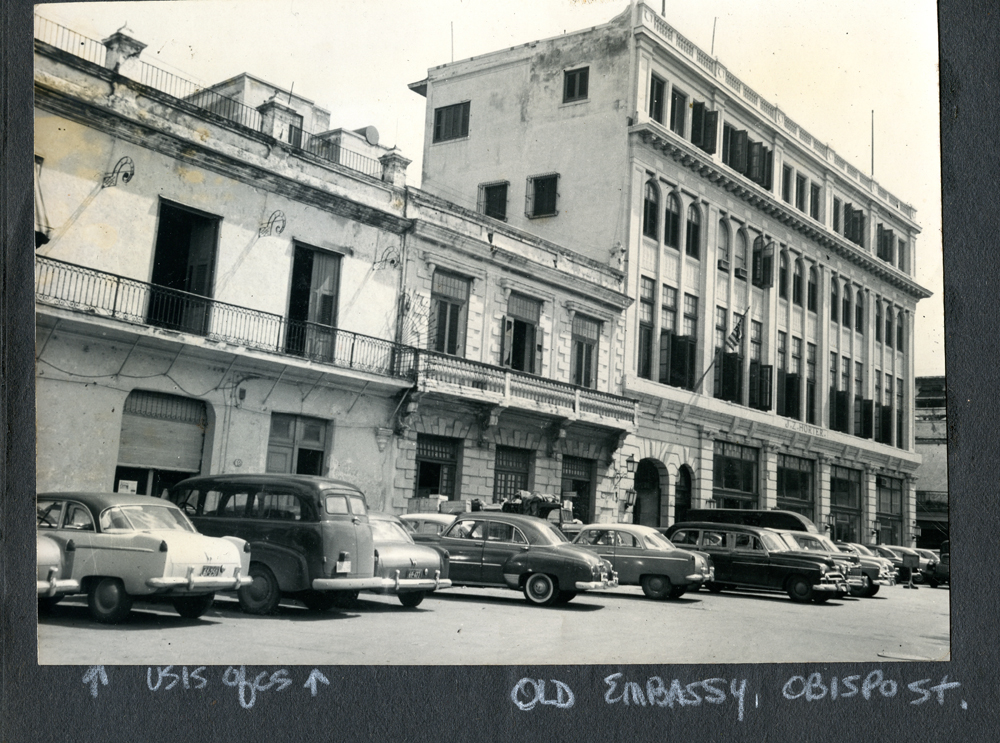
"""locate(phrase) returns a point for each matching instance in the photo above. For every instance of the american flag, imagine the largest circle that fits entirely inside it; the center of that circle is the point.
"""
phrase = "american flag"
(735, 339)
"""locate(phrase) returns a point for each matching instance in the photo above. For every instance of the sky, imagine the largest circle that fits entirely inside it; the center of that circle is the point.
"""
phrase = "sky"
(826, 65)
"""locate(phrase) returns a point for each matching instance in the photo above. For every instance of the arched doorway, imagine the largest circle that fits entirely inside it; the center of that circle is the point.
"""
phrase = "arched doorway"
(646, 510)
(682, 495)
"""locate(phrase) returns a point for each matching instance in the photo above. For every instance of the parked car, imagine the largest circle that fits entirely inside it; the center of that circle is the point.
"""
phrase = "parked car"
(116, 547)
(310, 535)
(941, 571)
(887, 571)
(759, 559)
(496, 549)
(772, 518)
(865, 575)
(923, 560)
(641, 556)
(900, 552)
(422, 525)
(928, 564)
(406, 569)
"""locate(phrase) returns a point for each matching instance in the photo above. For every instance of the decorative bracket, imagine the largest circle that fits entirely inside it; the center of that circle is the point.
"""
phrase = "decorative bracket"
(412, 408)
(614, 445)
(489, 419)
(275, 223)
(557, 434)
(124, 168)
(382, 436)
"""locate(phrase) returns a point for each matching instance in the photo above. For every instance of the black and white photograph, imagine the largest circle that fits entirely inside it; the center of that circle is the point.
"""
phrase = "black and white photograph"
(451, 333)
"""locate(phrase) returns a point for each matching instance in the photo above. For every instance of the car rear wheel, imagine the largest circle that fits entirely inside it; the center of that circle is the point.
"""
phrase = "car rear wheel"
(192, 607)
(677, 591)
(864, 589)
(108, 601)
(261, 596)
(412, 599)
(540, 589)
(656, 586)
(565, 597)
(799, 589)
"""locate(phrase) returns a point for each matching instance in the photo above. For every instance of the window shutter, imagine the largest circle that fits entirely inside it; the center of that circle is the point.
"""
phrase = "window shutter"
(766, 380)
(792, 395)
(755, 161)
(757, 270)
(739, 151)
(848, 220)
(711, 132)
(732, 377)
(768, 169)
(666, 342)
(886, 424)
(753, 396)
(782, 391)
(506, 340)
(529, 196)
(539, 349)
(890, 245)
(843, 410)
(868, 416)
(698, 124)
(767, 267)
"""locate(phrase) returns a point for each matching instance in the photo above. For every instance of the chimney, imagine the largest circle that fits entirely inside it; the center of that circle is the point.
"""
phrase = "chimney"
(394, 168)
(123, 51)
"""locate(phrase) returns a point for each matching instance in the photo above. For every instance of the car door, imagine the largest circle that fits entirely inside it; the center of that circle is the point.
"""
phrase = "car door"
(503, 541)
(632, 560)
(750, 562)
(716, 543)
(465, 541)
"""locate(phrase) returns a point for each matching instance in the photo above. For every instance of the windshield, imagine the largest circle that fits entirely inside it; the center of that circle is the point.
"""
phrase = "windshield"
(389, 531)
(144, 518)
(653, 540)
(547, 534)
(861, 549)
(774, 544)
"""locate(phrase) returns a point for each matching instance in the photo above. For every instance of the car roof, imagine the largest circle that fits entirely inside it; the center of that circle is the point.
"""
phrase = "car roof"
(718, 526)
(632, 528)
(382, 516)
(439, 517)
(510, 518)
(105, 500)
(311, 482)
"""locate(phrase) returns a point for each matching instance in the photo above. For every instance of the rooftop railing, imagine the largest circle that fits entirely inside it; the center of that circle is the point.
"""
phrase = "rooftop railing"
(201, 96)
(104, 294)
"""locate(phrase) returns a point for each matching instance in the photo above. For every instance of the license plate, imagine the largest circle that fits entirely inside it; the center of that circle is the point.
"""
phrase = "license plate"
(211, 571)
(412, 573)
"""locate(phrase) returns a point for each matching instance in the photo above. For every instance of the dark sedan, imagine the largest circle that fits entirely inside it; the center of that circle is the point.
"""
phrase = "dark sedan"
(641, 556)
(496, 549)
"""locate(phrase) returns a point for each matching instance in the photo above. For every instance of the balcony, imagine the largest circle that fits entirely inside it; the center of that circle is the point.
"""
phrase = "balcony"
(103, 294)
(471, 380)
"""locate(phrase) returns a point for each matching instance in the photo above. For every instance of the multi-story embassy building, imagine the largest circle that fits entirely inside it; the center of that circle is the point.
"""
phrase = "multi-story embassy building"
(634, 147)
(224, 284)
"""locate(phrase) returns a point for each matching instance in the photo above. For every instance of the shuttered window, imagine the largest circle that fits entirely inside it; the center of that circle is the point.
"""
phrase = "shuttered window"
(162, 431)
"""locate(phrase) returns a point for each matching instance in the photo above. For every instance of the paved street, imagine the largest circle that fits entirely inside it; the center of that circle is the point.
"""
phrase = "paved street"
(465, 626)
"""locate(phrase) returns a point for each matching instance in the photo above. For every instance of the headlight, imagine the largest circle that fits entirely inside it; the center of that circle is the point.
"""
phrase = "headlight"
(822, 568)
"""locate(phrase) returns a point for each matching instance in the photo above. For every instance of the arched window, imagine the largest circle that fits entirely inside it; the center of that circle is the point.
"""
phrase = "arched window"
(878, 320)
(741, 251)
(834, 301)
(846, 314)
(672, 222)
(899, 331)
(888, 326)
(723, 245)
(651, 211)
(811, 292)
(783, 275)
(859, 312)
(797, 284)
(693, 245)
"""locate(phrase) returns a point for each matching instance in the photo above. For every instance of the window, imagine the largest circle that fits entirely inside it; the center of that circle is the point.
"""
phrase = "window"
(493, 200)
(297, 445)
(734, 476)
(811, 383)
(836, 215)
(693, 243)
(783, 275)
(647, 289)
(657, 88)
(741, 255)
(671, 222)
(859, 391)
(900, 442)
(845, 313)
(800, 193)
(782, 360)
(834, 300)
(888, 326)
(899, 332)
(814, 195)
(437, 465)
(878, 320)
(763, 260)
(541, 195)
(839, 412)
(796, 367)
(845, 503)
(575, 84)
(275, 506)
(678, 104)
(854, 225)
(901, 255)
(885, 243)
(890, 495)
(451, 122)
(511, 472)
(449, 308)
(812, 289)
(797, 283)
(723, 245)
(690, 315)
(786, 184)
(312, 304)
(859, 312)
(759, 394)
(795, 485)
(586, 334)
(677, 348)
(521, 342)
(668, 329)
(704, 127)
(651, 211)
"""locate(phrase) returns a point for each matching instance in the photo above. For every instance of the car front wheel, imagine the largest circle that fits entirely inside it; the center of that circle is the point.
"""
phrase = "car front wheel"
(411, 599)
(261, 596)
(799, 589)
(540, 589)
(192, 607)
(656, 586)
(108, 601)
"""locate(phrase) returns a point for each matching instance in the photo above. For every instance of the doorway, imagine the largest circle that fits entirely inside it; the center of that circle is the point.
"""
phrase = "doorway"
(646, 510)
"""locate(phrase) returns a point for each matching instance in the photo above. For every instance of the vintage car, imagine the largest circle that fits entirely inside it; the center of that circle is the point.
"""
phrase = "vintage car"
(865, 575)
(505, 550)
(940, 572)
(309, 535)
(922, 562)
(116, 547)
(420, 525)
(886, 570)
(406, 569)
(759, 559)
(641, 556)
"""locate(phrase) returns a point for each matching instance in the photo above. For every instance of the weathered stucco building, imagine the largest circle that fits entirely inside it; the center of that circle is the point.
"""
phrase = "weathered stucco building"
(771, 340)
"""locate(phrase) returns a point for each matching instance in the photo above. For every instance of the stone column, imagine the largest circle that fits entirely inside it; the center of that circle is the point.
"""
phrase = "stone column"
(910, 510)
(277, 118)
(768, 497)
(701, 488)
(822, 483)
(869, 504)
(394, 168)
(123, 52)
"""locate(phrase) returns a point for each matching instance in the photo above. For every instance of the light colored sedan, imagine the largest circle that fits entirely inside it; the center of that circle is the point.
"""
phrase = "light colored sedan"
(642, 556)
(424, 525)
(115, 547)
(407, 569)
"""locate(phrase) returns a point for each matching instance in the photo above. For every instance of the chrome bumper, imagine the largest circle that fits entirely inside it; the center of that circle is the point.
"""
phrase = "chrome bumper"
(597, 585)
(836, 587)
(51, 586)
(192, 582)
(697, 578)
(346, 584)
(395, 583)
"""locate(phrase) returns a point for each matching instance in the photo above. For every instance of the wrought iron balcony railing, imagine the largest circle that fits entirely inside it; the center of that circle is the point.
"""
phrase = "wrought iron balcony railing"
(105, 294)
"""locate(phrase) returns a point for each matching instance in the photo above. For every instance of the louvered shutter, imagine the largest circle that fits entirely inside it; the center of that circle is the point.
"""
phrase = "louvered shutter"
(506, 340)
(755, 161)
(698, 124)
(792, 395)
(539, 349)
(711, 131)
(739, 151)
(843, 410)
(766, 383)
(768, 169)
(666, 342)
(753, 394)
(868, 419)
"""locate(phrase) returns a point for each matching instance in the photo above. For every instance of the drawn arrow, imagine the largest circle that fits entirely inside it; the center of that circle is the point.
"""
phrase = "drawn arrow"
(93, 675)
(312, 683)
